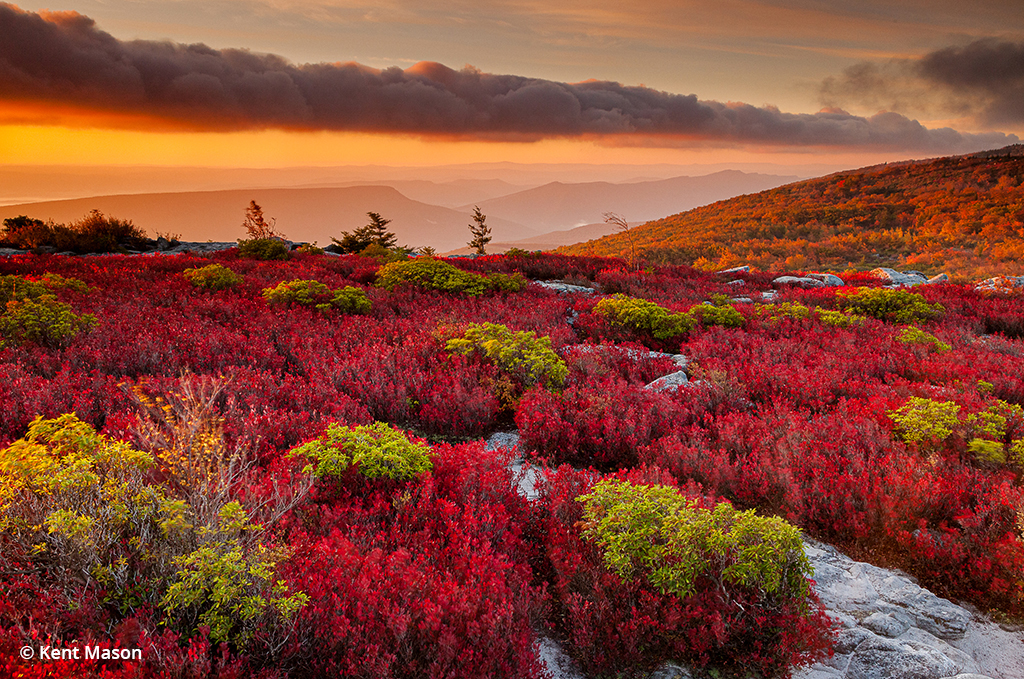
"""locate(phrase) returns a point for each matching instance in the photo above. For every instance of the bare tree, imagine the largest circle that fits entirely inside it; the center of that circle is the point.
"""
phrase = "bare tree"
(620, 224)
(256, 225)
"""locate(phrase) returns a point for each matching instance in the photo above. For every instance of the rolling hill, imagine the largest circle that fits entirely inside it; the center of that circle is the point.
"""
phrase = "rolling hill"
(559, 206)
(310, 214)
(961, 214)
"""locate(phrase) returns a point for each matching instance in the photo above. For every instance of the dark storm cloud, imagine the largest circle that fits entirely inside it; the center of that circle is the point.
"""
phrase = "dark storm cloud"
(62, 60)
(983, 80)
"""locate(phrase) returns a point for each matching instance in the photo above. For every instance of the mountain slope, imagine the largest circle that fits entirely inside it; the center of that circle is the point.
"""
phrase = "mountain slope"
(559, 206)
(962, 214)
(314, 214)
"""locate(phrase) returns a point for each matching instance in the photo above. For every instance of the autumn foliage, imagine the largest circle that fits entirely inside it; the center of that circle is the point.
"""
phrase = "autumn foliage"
(336, 482)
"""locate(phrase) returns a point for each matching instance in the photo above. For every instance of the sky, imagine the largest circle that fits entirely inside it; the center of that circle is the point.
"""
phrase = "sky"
(277, 83)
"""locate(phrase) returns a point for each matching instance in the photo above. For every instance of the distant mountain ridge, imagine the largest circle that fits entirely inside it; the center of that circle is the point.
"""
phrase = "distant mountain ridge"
(560, 206)
(960, 214)
(310, 214)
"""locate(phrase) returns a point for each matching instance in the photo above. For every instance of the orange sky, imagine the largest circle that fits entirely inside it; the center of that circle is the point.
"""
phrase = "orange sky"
(773, 54)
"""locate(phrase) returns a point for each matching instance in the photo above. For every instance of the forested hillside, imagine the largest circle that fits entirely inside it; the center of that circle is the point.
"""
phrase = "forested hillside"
(963, 215)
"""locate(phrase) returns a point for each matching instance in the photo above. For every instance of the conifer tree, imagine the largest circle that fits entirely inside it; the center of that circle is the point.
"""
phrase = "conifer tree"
(481, 232)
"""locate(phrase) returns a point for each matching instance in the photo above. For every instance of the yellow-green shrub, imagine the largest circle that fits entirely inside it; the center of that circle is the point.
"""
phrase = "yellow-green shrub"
(655, 532)
(922, 420)
(914, 335)
(90, 510)
(889, 304)
(776, 312)
(837, 319)
(212, 277)
(376, 451)
(643, 316)
(522, 354)
(263, 249)
(349, 299)
(41, 320)
(433, 274)
(725, 316)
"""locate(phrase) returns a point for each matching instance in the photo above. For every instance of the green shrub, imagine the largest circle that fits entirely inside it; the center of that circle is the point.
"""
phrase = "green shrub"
(42, 320)
(263, 249)
(91, 511)
(643, 316)
(922, 420)
(914, 335)
(776, 312)
(310, 249)
(889, 304)
(376, 451)
(349, 299)
(433, 274)
(524, 355)
(837, 319)
(504, 282)
(655, 532)
(724, 316)
(230, 590)
(17, 287)
(212, 277)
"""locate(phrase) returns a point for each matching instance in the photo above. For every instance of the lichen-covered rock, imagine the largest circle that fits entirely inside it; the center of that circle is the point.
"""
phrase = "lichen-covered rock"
(564, 288)
(880, 658)
(799, 280)
(669, 382)
(894, 277)
(831, 280)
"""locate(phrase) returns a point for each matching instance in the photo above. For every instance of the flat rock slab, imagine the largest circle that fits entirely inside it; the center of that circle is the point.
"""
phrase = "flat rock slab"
(564, 288)
(894, 277)
(802, 281)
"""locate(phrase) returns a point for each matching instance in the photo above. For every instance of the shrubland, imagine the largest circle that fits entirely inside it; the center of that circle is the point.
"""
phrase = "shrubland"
(230, 475)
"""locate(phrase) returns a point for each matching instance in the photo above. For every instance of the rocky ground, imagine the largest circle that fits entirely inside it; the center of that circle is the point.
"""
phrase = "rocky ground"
(889, 627)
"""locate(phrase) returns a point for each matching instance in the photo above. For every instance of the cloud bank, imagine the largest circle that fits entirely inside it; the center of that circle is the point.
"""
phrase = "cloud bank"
(982, 82)
(61, 60)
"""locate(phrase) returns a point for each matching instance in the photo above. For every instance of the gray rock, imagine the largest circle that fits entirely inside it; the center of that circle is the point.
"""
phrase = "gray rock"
(737, 282)
(968, 675)
(736, 269)
(1000, 283)
(799, 280)
(831, 280)
(503, 440)
(669, 382)
(886, 624)
(893, 277)
(892, 659)
(941, 278)
(741, 300)
(564, 288)
(933, 614)
(7, 252)
(670, 670)
(769, 295)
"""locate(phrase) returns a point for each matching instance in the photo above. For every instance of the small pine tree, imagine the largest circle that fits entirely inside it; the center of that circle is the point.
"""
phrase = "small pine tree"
(256, 225)
(375, 232)
(481, 232)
